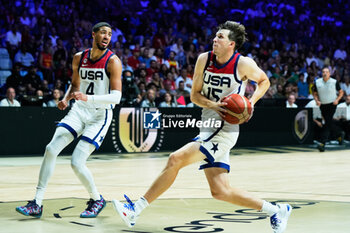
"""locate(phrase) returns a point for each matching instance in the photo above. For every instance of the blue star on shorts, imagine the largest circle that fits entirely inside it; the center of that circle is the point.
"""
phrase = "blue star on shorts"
(215, 147)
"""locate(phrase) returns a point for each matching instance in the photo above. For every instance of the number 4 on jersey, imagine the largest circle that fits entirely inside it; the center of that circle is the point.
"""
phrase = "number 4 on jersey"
(90, 89)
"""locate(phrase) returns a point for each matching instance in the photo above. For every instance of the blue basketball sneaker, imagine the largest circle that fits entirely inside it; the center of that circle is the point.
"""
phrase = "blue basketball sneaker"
(279, 220)
(94, 208)
(126, 211)
(31, 209)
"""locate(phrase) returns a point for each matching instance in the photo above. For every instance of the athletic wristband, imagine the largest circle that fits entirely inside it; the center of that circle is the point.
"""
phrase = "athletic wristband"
(112, 98)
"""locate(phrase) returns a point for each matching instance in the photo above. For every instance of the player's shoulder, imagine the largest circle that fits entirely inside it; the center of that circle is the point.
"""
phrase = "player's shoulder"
(245, 61)
(78, 55)
(203, 56)
(114, 59)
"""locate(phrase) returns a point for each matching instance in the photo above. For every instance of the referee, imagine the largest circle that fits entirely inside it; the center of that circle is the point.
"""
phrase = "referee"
(327, 93)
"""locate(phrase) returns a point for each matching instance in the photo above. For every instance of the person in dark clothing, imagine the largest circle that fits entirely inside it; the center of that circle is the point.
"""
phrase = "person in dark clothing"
(327, 93)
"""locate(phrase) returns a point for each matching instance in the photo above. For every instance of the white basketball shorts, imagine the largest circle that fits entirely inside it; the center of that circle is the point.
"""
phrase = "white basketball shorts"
(91, 123)
(216, 145)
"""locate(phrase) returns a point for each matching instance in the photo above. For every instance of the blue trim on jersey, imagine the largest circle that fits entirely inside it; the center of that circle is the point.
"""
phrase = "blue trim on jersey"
(69, 128)
(93, 62)
(222, 66)
(235, 74)
(207, 154)
(89, 140)
(81, 59)
(208, 61)
(102, 126)
(216, 164)
(216, 132)
(196, 138)
(107, 64)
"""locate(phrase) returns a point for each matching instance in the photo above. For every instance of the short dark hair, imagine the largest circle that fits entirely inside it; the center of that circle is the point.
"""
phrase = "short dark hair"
(325, 67)
(237, 32)
(97, 26)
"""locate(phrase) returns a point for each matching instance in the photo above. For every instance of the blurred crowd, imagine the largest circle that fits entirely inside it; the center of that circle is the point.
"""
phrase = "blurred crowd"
(158, 43)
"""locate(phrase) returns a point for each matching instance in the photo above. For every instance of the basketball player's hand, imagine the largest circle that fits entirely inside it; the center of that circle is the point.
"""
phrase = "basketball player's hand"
(79, 96)
(62, 105)
(251, 115)
(218, 107)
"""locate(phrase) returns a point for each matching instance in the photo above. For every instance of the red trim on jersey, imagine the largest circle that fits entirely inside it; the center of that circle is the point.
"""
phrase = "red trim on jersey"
(227, 68)
(99, 63)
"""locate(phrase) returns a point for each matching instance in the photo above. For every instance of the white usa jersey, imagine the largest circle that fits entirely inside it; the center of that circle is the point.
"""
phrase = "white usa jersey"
(94, 78)
(220, 81)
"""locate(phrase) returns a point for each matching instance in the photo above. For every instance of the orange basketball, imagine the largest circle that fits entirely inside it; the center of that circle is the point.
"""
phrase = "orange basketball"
(238, 109)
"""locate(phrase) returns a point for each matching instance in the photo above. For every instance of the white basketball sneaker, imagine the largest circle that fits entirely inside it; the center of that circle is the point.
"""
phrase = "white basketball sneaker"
(279, 220)
(126, 211)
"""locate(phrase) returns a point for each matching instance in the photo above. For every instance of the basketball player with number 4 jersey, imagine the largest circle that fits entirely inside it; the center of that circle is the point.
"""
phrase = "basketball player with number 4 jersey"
(218, 73)
(96, 87)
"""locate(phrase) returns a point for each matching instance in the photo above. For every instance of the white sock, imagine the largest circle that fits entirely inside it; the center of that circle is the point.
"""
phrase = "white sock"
(80, 154)
(140, 205)
(269, 208)
(60, 140)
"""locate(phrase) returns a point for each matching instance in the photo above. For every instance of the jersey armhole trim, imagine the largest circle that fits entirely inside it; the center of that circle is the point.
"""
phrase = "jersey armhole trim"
(81, 59)
(208, 60)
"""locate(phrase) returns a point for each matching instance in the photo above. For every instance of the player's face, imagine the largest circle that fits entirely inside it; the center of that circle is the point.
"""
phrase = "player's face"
(221, 42)
(102, 37)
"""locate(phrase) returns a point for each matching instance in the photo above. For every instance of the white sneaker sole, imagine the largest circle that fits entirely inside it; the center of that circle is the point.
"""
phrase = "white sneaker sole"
(118, 206)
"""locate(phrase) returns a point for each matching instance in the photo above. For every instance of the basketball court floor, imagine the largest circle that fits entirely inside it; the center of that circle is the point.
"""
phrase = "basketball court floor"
(317, 185)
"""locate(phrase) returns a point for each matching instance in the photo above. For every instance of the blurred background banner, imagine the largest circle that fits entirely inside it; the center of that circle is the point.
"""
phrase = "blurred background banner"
(26, 131)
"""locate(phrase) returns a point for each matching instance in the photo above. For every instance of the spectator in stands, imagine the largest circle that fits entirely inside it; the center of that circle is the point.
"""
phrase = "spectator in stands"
(133, 60)
(46, 89)
(290, 103)
(60, 53)
(191, 55)
(149, 101)
(280, 92)
(24, 57)
(143, 91)
(125, 65)
(345, 85)
(32, 81)
(13, 39)
(316, 119)
(10, 100)
(56, 96)
(157, 81)
(181, 91)
(342, 115)
(171, 62)
(303, 87)
(53, 37)
(158, 56)
(46, 63)
(340, 53)
(168, 101)
(145, 58)
(15, 79)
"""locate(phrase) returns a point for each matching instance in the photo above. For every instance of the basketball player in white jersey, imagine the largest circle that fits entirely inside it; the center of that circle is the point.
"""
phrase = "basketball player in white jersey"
(96, 87)
(217, 74)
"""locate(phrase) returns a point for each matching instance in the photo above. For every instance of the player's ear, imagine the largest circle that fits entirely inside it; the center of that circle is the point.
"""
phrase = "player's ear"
(233, 44)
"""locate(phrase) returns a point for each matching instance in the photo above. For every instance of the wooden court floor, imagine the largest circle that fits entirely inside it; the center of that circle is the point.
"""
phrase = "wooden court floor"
(316, 184)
